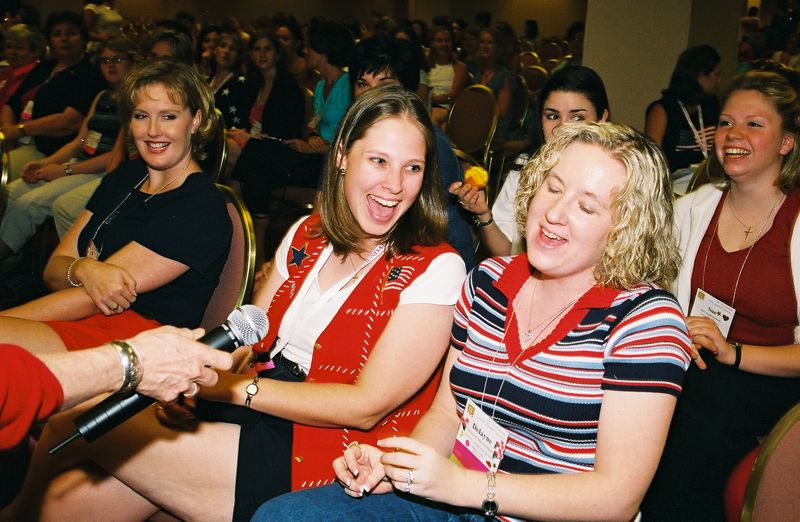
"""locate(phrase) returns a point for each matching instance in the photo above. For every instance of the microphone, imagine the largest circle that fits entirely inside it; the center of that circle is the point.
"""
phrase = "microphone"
(246, 325)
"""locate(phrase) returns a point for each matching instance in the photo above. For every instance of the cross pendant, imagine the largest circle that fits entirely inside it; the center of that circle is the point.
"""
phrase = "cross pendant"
(747, 233)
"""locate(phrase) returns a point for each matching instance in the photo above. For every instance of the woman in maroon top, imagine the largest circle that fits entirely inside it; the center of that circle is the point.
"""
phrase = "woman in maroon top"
(738, 241)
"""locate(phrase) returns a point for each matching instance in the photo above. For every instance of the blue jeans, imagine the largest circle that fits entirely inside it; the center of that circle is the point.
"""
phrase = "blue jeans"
(330, 503)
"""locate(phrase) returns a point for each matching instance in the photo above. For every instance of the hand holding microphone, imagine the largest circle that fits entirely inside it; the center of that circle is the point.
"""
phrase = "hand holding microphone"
(246, 325)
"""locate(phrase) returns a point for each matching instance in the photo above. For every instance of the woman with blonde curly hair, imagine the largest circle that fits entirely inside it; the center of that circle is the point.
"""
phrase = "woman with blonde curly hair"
(565, 363)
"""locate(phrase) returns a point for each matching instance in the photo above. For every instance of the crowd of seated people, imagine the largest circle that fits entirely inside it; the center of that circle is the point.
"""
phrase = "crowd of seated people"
(413, 310)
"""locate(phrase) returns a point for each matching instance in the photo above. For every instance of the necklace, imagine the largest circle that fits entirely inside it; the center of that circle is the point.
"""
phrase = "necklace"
(379, 250)
(748, 229)
(527, 337)
(749, 250)
(165, 185)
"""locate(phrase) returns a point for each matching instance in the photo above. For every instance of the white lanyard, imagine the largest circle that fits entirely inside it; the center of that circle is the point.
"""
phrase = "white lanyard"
(699, 135)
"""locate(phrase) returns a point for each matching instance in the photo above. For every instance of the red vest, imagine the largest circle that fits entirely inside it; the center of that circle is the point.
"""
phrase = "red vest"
(344, 346)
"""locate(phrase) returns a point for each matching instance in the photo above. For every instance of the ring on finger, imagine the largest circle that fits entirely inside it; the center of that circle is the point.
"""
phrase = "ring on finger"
(194, 392)
(407, 489)
(410, 479)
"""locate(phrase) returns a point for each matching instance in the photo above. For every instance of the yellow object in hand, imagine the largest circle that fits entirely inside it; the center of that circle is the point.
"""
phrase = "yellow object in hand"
(477, 177)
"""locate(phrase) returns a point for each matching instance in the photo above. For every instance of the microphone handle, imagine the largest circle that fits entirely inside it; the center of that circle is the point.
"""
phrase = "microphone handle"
(110, 413)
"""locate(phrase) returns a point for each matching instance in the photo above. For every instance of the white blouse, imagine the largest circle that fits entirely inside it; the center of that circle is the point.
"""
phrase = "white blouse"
(312, 310)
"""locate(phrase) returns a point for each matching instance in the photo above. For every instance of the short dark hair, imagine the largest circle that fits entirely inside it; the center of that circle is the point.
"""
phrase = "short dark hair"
(425, 222)
(332, 39)
(290, 22)
(65, 17)
(577, 78)
(180, 44)
(575, 28)
(384, 53)
(694, 61)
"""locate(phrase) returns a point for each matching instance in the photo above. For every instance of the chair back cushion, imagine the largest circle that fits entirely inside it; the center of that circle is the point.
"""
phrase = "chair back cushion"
(236, 279)
(773, 491)
(473, 119)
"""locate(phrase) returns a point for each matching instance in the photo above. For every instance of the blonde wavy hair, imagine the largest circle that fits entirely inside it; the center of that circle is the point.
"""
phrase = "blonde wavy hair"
(185, 86)
(641, 247)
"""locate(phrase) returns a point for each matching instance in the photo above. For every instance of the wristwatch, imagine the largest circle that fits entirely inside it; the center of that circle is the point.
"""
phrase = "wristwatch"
(68, 169)
(251, 390)
(489, 505)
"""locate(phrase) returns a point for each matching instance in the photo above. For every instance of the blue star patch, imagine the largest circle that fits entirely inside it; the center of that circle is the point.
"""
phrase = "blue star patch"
(298, 255)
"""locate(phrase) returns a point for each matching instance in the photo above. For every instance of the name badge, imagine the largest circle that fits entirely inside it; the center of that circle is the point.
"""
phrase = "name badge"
(91, 142)
(706, 305)
(92, 250)
(480, 442)
(27, 115)
(255, 130)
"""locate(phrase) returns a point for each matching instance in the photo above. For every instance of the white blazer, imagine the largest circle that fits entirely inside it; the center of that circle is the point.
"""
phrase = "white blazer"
(693, 213)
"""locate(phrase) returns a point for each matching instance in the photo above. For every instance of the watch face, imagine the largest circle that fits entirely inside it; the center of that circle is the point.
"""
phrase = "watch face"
(251, 389)
(489, 507)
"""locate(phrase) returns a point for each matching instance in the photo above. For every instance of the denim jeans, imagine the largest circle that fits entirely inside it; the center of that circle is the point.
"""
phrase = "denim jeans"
(330, 503)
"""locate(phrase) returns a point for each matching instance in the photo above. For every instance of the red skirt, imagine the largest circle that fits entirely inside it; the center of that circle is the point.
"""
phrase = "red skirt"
(99, 329)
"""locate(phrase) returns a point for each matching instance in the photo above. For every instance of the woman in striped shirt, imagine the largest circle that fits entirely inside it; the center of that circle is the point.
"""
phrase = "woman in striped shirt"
(573, 354)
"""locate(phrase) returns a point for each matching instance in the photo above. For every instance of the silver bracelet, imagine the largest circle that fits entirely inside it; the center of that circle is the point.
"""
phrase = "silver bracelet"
(131, 366)
(69, 273)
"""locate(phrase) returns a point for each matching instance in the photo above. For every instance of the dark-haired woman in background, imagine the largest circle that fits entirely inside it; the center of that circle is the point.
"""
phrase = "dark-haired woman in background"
(49, 106)
(204, 49)
(290, 37)
(261, 112)
(266, 165)
(682, 122)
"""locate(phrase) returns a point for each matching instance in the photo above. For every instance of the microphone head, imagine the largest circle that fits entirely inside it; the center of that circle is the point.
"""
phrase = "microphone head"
(248, 323)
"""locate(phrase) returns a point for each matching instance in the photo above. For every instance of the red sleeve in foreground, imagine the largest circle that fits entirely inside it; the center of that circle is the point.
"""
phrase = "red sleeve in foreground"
(28, 392)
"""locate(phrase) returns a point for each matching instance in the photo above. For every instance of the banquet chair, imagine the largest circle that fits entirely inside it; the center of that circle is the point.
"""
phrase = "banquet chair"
(216, 152)
(529, 58)
(236, 280)
(535, 77)
(472, 122)
(551, 50)
(3, 173)
(503, 149)
(773, 489)
(551, 64)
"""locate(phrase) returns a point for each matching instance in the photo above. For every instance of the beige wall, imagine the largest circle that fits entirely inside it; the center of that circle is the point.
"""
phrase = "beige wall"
(634, 45)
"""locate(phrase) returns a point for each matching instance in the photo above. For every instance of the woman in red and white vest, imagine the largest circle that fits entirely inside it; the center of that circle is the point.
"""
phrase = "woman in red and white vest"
(360, 301)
